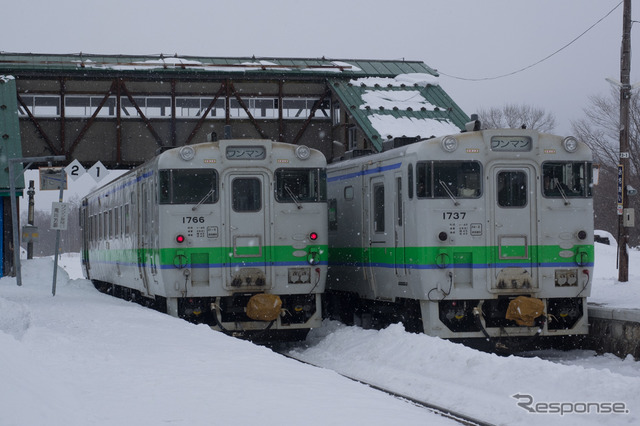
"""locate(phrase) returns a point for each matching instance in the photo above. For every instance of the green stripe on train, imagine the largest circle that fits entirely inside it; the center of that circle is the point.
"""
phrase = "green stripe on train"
(421, 256)
(212, 255)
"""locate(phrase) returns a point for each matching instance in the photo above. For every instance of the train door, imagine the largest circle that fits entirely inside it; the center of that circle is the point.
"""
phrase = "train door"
(514, 228)
(379, 239)
(87, 232)
(249, 230)
(398, 225)
(144, 235)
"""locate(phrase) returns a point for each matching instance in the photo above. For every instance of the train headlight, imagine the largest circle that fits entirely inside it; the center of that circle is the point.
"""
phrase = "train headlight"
(449, 143)
(187, 153)
(303, 152)
(570, 144)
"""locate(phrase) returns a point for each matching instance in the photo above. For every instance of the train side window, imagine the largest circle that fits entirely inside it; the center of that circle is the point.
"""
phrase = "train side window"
(247, 195)
(100, 225)
(127, 220)
(512, 188)
(116, 223)
(410, 181)
(333, 214)
(348, 192)
(121, 222)
(108, 229)
(378, 208)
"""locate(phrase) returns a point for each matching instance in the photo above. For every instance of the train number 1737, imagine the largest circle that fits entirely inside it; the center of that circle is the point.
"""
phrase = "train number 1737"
(453, 215)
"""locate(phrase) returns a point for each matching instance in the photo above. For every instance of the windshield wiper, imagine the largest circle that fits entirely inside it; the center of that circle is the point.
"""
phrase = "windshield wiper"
(448, 191)
(564, 196)
(209, 194)
(293, 197)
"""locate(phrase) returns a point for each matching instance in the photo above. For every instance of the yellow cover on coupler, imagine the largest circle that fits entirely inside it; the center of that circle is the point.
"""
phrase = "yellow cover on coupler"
(524, 310)
(264, 307)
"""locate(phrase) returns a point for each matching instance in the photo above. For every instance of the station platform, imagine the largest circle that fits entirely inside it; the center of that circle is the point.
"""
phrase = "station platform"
(613, 330)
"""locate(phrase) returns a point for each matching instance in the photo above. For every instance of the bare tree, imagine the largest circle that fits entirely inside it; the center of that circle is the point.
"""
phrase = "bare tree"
(514, 116)
(600, 129)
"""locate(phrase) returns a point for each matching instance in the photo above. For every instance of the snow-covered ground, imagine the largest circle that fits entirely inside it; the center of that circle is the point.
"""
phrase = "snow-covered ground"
(84, 358)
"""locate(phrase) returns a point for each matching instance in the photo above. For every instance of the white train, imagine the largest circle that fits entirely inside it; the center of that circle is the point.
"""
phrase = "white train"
(483, 234)
(231, 233)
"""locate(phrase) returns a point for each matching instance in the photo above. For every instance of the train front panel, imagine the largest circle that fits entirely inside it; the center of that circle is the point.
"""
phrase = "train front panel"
(240, 219)
(455, 229)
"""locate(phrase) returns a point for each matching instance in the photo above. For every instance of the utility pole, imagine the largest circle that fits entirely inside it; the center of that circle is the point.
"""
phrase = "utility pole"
(623, 169)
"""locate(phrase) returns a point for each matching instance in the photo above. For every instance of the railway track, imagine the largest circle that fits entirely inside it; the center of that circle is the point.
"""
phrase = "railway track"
(454, 415)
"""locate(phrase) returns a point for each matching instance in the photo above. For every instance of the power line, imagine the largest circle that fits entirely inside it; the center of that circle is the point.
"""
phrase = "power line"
(538, 62)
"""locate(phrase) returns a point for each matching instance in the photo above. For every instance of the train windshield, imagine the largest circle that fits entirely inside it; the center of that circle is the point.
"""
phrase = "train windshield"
(445, 179)
(301, 185)
(566, 179)
(188, 186)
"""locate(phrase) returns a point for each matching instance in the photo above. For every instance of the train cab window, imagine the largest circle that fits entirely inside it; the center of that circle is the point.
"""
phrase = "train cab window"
(247, 195)
(567, 179)
(512, 188)
(300, 185)
(188, 186)
(446, 179)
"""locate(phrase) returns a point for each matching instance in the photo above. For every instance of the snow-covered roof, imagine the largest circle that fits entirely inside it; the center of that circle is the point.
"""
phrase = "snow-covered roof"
(406, 105)
(184, 64)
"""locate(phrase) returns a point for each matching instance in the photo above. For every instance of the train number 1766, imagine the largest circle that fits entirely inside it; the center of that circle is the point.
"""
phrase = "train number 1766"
(453, 215)
(192, 219)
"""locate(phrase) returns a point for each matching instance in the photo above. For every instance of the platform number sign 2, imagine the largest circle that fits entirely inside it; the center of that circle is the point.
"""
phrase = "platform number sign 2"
(75, 170)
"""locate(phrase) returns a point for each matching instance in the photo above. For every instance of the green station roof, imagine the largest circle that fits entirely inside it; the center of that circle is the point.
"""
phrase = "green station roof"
(387, 99)
(81, 62)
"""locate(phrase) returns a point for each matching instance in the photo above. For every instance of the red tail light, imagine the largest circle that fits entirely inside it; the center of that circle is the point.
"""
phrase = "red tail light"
(313, 236)
(180, 239)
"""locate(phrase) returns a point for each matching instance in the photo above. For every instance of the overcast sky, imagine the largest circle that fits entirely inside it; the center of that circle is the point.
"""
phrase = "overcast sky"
(464, 38)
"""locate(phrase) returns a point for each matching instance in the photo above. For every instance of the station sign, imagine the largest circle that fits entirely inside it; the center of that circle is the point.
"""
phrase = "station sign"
(60, 215)
(620, 189)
